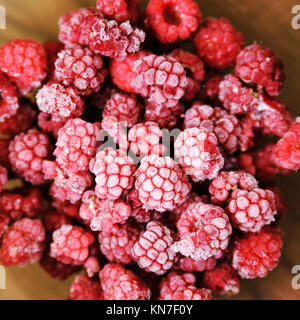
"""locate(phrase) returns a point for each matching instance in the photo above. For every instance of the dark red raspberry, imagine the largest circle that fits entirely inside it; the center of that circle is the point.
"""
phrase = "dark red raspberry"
(160, 78)
(246, 139)
(23, 243)
(80, 67)
(69, 209)
(8, 98)
(222, 280)
(119, 283)
(188, 264)
(161, 184)
(218, 43)
(173, 20)
(197, 152)
(210, 87)
(49, 124)
(52, 49)
(4, 160)
(53, 220)
(84, 288)
(91, 266)
(3, 177)
(27, 151)
(60, 102)
(257, 253)
(70, 244)
(259, 65)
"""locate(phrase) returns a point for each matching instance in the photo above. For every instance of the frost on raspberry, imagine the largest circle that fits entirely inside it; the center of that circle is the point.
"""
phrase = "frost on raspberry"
(197, 152)
(161, 184)
(84, 288)
(204, 231)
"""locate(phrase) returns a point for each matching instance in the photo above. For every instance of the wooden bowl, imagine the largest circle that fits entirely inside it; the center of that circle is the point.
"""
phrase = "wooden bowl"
(267, 22)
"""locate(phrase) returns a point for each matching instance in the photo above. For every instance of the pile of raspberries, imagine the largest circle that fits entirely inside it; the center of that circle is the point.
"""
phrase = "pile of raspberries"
(142, 219)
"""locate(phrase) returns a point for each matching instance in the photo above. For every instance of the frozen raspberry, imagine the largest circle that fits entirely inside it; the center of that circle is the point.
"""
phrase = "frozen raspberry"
(195, 69)
(124, 107)
(53, 220)
(76, 145)
(24, 62)
(160, 78)
(281, 202)
(81, 68)
(153, 249)
(117, 246)
(222, 280)
(23, 243)
(287, 151)
(161, 184)
(103, 215)
(84, 288)
(52, 48)
(70, 244)
(188, 264)
(120, 10)
(204, 231)
(92, 266)
(257, 253)
(197, 152)
(26, 155)
(259, 65)
(49, 124)
(228, 181)
(218, 43)
(122, 71)
(164, 116)
(114, 171)
(59, 101)
(178, 286)
(246, 138)
(145, 139)
(119, 283)
(4, 160)
(4, 222)
(173, 20)
(210, 87)
(236, 98)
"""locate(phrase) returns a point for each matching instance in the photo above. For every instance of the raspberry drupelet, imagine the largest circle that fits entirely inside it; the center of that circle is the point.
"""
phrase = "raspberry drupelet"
(84, 288)
(114, 171)
(161, 184)
(204, 231)
(24, 62)
(197, 152)
(23, 243)
(188, 264)
(153, 250)
(160, 78)
(49, 124)
(119, 283)
(70, 244)
(218, 43)
(258, 65)
(79, 67)
(59, 101)
(256, 254)
(173, 20)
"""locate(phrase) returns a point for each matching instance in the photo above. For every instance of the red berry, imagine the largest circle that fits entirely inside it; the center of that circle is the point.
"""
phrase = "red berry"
(91, 266)
(84, 288)
(4, 222)
(188, 264)
(4, 160)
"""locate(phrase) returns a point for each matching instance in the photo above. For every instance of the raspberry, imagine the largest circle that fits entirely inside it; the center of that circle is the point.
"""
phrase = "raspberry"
(236, 98)
(120, 10)
(188, 264)
(161, 184)
(81, 68)
(218, 43)
(70, 244)
(52, 48)
(119, 283)
(124, 107)
(197, 152)
(27, 151)
(259, 65)
(24, 62)
(281, 203)
(3, 177)
(76, 145)
(114, 171)
(204, 232)
(194, 67)
(228, 181)
(122, 71)
(49, 124)
(287, 151)
(92, 266)
(153, 249)
(60, 102)
(160, 78)
(165, 117)
(23, 243)
(53, 220)
(257, 253)
(145, 139)
(69, 209)
(222, 280)
(210, 87)
(117, 246)
(178, 286)
(84, 288)
(246, 138)
(173, 20)
(4, 222)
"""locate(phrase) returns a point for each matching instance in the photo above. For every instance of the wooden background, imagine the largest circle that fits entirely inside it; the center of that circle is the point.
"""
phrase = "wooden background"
(265, 21)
